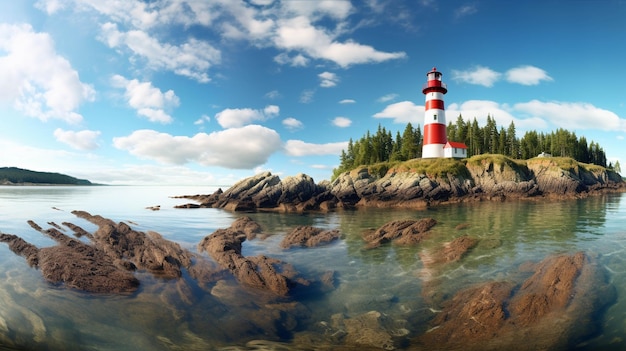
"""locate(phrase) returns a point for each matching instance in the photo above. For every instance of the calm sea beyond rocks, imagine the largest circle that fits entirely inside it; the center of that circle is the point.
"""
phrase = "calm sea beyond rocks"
(551, 306)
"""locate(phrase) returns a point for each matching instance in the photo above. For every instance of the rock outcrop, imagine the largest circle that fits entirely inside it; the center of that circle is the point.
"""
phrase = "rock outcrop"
(485, 177)
(308, 236)
(404, 232)
(106, 263)
(551, 310)
(260, 272)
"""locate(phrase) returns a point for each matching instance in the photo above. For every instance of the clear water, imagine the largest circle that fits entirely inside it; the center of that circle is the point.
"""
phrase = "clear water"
(389, 279)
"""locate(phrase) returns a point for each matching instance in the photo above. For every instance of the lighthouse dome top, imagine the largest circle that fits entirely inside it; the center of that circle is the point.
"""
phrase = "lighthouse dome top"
(434, 83)
(434, 74)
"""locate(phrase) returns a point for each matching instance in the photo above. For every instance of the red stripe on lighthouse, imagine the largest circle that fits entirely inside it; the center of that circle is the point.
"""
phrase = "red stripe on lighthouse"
(434, 104)
(435, 133)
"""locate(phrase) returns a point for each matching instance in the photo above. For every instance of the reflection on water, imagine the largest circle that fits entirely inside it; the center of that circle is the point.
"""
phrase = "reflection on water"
(391, 280)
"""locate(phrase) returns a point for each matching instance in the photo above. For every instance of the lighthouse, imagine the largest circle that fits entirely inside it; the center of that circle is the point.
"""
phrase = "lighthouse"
(434, 116)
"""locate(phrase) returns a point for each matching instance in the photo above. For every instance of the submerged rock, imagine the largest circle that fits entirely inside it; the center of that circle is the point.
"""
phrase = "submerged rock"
(551, 310)
(74, 264)
(309, 237)
(404, 232)
(260, 272)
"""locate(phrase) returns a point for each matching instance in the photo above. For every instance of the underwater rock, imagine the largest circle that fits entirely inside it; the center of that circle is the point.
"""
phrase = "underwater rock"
(404, 232)
(261, 272)
(309, 237)
(552, 310)
(74, 264)
(371, 329)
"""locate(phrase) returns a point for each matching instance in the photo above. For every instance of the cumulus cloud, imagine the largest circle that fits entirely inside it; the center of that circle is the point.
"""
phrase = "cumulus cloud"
(237, 117)
(539, 115)
(300, 148)
(149, 101)
(292, 123)
(572, 115)
(503, 114)
(328, 79)
(342, 122)
(191, 59)
(402, 112)
(36, 79)
(347, 101)
(295, 61)
(299, 34)
(236, 148)
(479, 75)
(527, 75)
(202, 119)
(303, 30)
(387, 98)
(81, 140)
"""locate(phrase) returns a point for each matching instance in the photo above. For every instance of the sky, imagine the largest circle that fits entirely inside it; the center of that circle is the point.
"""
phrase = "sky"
(208, 92)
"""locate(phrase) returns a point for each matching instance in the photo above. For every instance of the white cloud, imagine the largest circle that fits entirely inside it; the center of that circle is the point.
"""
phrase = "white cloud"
(237, 117)
(295, 61)
(347, 101)
(300, 148)
(292, 123)
(403, 112)
(35, 79)
(336, 9)
(479, 75)
(237, 148)
(202, 119)
(503, 114)
(191, 59)
(308, 29)
(81, 140)
(149, 101)
(572, 115)
(273, 95)
(328, 79)
(539, 115)
(307, 96)
(342, 122)
(134, 12)
(387, 98)
(299, 34)
(527, 75)
(271, 111)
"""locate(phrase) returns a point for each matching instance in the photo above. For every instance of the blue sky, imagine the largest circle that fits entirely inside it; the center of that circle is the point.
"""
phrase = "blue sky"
(208, 92)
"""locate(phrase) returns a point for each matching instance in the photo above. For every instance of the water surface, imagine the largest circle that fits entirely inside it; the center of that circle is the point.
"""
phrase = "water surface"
(390, 279)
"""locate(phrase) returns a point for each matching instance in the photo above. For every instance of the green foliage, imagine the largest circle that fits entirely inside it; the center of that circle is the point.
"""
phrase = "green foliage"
(18, 175)
(382, 147)
(434, 167)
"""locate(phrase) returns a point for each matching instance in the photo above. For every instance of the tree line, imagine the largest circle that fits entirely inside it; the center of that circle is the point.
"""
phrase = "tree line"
(383, 146)
(13, 175)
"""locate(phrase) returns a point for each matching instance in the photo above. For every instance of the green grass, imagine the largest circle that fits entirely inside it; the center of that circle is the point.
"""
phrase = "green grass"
(444, 167)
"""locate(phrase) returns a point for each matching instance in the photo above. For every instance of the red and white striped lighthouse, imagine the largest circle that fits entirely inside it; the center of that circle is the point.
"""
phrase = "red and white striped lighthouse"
(434, 116)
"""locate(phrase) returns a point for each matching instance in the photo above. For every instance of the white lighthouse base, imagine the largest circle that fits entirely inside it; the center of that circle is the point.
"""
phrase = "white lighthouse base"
(432, 150)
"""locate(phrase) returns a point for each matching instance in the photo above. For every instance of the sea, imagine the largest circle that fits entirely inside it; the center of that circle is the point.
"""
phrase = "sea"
(390, 279)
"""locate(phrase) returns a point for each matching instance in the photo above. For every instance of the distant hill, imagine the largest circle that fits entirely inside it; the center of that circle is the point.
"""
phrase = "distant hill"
(14, 175)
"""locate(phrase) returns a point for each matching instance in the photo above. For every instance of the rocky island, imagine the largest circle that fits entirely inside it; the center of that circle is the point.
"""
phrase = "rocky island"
(418, 183)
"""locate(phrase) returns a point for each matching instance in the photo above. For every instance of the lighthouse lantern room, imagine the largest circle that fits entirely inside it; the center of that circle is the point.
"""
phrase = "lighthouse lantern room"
(434, 116)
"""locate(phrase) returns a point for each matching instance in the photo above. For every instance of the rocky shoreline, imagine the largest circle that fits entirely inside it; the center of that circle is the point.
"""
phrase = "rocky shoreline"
(487, 179)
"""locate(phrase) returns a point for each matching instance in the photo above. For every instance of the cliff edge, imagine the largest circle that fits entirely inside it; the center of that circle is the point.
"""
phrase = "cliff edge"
(418, 183)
